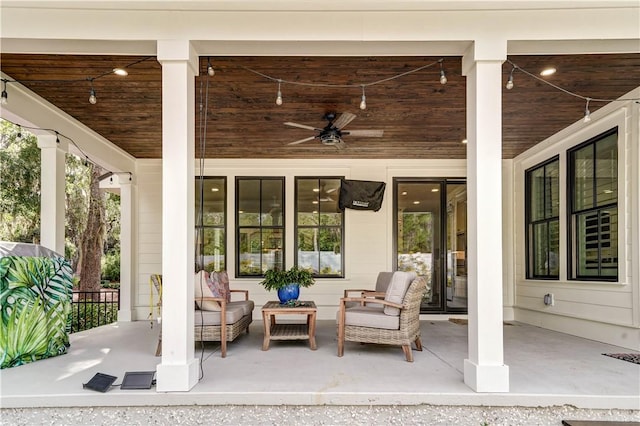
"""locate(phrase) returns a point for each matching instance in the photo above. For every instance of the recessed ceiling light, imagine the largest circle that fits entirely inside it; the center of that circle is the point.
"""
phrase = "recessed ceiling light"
(547, 71)
(214, 189)
(314, 202)
(608, 191)
(464, 141)
(435, 190)
(416, 202)
(120, 71)
(404, 192)
(316, 189)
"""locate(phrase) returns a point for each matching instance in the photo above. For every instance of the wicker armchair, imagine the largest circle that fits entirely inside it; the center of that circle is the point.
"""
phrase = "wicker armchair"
(380, 324)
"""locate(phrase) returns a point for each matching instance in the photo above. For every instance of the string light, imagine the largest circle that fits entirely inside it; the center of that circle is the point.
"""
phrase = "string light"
(92, 95)
(5, 96)
(210, 71)
(443, 77)
(587, 114)
(509, 85)
(279, 96)
(363, 103)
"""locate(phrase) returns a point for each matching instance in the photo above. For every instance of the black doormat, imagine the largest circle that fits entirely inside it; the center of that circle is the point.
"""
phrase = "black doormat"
(634, 358)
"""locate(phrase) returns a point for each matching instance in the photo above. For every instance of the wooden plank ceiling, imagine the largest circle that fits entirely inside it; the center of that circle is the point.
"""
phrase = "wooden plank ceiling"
(420, 117)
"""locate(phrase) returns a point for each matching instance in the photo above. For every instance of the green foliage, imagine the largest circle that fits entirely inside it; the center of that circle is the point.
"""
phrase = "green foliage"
(275, 279)
(20, 185)
(111, 266)
(90, 315)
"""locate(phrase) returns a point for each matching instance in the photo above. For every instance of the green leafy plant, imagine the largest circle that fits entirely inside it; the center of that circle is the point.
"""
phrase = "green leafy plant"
(275, 279)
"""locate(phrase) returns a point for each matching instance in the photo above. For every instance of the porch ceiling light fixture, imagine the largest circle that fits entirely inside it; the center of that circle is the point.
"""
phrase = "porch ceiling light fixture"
(121, 72)
(548, 71)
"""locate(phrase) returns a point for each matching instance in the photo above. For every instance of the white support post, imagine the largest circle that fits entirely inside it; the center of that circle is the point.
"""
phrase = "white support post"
(127, 214)
(484, 370)
(52, 192)
(179, 368)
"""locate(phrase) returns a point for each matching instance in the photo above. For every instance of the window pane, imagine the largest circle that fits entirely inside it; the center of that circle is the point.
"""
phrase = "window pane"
(540, 249)
(250, 248)
(272, 256)
(607, 170)
(587, 232)
(330, 241)
(308, 200)
(213, 195)
(583, 179)
(248, 202)
(213, 250)
(272, 203)
(554, 248)
(609, 242)
(536, 200)
(552, 189)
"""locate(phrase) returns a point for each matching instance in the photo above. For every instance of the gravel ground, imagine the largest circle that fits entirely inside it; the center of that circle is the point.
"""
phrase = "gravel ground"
(309, 415)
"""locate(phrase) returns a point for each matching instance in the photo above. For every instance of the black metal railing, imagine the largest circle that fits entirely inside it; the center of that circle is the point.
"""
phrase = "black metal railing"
(91, 309)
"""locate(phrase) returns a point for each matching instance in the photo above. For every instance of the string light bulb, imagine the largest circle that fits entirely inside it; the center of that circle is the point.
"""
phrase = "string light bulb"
(443, 77)
(587, 113)
(92, 94)
(5, 96)
(210, 71)
(509, 85)
(363, 102)
(279, 96)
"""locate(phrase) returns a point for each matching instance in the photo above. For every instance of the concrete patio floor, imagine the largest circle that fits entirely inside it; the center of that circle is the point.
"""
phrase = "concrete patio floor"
(547, 369)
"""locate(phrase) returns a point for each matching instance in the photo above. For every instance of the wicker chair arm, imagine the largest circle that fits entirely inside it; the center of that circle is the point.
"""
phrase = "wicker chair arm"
(364, 300)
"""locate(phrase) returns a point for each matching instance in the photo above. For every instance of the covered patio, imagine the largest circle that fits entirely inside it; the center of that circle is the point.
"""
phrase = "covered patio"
(547, 369)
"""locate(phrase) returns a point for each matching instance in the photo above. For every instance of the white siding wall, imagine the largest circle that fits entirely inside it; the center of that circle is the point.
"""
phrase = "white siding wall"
(368, 234)
(603, 311)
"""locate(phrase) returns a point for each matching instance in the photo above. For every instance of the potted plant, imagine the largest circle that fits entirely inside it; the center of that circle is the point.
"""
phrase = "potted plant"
(287, 282)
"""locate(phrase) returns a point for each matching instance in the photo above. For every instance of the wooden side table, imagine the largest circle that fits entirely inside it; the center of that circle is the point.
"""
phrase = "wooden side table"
(275, 331)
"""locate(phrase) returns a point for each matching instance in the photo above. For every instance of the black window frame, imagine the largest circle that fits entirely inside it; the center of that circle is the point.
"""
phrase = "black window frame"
(572, 213)
(200, 226)
(530, 223)
(238, 228)
(296, 226)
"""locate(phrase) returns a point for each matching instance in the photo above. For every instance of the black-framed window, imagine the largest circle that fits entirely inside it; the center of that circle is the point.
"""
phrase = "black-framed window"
(593, 212)
(259, 225)
(543, 220)
(319, 226)
(211, 223)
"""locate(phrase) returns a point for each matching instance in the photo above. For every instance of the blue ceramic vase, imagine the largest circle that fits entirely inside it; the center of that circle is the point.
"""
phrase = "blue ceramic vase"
(288, 292)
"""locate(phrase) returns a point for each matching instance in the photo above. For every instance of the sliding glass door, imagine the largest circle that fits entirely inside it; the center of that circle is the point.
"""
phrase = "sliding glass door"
(430, 239)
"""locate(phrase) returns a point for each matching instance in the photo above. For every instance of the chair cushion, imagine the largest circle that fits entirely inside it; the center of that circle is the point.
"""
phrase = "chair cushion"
(397, 288)
(374, 317)
(219, 285)
(382, 283)
(234, 314)
(246, 306)
(201, 289)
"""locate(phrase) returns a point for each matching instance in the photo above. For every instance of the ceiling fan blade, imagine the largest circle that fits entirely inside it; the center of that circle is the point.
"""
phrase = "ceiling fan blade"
(340, 144)
(302, 140)
(302, 126)
(330, 190)
(365, 133)
(343, 120)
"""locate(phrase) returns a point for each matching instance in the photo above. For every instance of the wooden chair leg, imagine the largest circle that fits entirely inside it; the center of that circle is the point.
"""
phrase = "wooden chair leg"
(418, 343)
(159, 347)
(223, 348)
(407, 352)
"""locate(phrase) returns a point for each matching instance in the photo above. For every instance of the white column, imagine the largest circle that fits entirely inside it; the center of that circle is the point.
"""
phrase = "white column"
(52, 192)
(127, 213)
(484, 370)
(179, 368)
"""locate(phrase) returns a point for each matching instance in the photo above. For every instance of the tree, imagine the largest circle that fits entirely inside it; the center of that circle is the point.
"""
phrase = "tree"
(19, 185)
(76, 206)
(93, 236)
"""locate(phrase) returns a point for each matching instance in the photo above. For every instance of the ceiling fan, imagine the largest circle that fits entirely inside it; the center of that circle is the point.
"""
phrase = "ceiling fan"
(332, 133)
